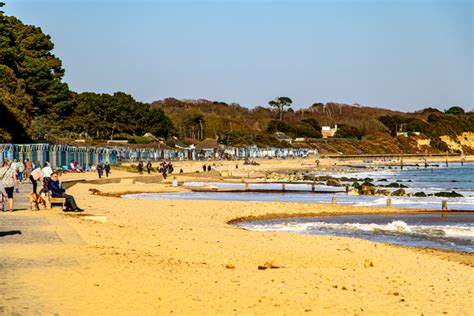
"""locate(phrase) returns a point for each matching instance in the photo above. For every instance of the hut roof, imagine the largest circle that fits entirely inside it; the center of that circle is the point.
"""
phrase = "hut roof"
(208, 143)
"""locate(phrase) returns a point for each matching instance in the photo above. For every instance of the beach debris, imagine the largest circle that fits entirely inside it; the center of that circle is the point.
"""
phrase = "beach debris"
(230, 266)
(369, 262)
(94, 191)
(95, 218)
(268, 265)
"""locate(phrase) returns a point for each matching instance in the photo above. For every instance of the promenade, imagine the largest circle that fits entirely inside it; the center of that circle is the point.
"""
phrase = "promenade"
(31, 241)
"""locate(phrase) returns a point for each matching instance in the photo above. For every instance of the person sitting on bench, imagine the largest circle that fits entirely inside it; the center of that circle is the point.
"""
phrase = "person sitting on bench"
(57, 191)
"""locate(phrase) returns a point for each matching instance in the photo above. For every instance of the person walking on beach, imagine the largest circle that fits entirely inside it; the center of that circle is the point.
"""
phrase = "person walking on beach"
(100, 170)
(204, 168)
(107, 169)
(28, 168)
(149, 166)
(20, 169)
(9, 181)
(140, 167)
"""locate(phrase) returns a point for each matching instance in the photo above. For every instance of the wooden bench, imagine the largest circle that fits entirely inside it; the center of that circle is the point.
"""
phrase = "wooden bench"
(53, 200)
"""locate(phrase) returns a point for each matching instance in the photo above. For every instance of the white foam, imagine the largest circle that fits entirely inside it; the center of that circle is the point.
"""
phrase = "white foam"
(455, 231)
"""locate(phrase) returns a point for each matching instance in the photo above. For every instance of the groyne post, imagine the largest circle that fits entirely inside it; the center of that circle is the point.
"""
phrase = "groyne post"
(283, 187)
(246, 186)
(334, 200)
(389, 202)
(444, 205)
(313, 188)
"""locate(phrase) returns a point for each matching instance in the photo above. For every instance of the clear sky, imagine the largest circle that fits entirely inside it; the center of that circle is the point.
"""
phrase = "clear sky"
(406, 54)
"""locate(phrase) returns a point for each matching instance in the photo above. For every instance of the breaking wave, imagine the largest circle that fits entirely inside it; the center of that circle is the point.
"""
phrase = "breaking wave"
(399, 227)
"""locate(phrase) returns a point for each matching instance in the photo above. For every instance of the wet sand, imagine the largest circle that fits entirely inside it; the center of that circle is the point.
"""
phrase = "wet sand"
(182, 257)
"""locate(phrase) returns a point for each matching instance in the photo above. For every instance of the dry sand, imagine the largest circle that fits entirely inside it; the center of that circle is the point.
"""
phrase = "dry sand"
(182, 257)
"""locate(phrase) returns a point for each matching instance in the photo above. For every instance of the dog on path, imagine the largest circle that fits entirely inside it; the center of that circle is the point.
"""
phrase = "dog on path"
(35, 201)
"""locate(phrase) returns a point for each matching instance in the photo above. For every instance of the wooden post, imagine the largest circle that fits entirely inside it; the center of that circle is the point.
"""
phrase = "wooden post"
(313, 188)
(389, 202)
(334, 200)
(444, 205)
(283, 187)
(246, 186)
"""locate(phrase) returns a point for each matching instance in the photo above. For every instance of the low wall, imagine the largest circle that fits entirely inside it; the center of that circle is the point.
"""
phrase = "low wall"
(141, 179)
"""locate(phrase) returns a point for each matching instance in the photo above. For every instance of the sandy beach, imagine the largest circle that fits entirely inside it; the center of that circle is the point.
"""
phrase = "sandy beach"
(143, 257)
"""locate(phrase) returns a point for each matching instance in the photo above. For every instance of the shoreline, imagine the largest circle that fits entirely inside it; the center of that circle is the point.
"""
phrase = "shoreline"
(183, 257)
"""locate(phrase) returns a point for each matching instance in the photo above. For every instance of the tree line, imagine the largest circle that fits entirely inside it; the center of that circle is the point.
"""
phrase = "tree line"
(35, 102)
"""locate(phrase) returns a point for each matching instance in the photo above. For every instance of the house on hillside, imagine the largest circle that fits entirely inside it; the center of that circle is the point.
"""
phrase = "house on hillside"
(283, 137)
(406, 134)
(327, 131)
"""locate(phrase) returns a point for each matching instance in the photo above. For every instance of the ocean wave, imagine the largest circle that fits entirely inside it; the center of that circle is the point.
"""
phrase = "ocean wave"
(400, 227)
(416, 200)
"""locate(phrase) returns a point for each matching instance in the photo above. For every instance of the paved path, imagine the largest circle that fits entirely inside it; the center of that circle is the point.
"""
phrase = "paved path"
(21, 199)
(31, 241)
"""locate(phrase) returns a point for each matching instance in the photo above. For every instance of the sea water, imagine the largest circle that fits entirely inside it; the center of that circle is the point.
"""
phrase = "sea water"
(454, 231)
(431, 180)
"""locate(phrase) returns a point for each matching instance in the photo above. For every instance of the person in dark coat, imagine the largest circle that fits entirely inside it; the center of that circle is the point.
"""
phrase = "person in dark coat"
(140, 167)
(57, 191)
(149, 167)
(100, 170)
(107, 169)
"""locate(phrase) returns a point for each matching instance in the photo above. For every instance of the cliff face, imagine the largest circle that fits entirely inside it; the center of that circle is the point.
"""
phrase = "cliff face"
(464, 142)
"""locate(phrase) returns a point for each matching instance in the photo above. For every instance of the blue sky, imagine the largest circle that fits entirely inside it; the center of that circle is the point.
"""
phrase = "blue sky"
(406, 54)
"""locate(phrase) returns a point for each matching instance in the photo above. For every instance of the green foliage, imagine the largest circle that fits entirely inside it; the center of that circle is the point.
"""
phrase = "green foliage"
(103, 116)
(280, 104)
(429, 110)
(140, 139)
(346, 131)
(455, 110)
(277, 126)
